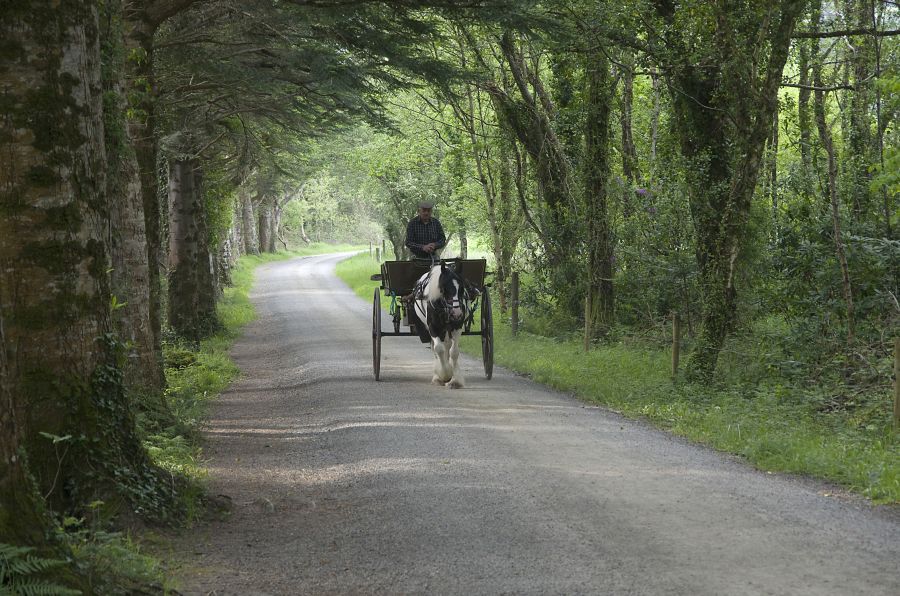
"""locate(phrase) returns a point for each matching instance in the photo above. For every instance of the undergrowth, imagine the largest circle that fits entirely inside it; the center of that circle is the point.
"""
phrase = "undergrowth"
(773, 419)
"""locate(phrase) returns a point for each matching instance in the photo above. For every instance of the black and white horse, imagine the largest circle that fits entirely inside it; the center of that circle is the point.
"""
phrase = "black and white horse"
(441, 304)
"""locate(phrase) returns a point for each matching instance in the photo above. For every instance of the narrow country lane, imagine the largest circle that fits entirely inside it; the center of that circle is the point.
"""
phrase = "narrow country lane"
(344, 485)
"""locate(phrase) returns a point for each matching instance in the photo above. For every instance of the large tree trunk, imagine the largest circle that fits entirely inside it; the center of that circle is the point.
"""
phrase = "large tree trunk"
(207, 267)
(266, 226)
(130, 272)
(141, 89)
(722, 132)
(58, 372)
(192, 311)
(600, 299)
(249, 229)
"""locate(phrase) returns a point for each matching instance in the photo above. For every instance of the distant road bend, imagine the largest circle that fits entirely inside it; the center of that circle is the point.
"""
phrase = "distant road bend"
(344, 485)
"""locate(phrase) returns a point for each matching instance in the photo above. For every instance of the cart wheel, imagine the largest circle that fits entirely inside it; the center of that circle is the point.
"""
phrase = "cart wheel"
(487, 335)
(376, 334)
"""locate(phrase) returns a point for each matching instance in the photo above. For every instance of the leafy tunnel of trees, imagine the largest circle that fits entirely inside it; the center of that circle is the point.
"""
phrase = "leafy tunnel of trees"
(733, 162)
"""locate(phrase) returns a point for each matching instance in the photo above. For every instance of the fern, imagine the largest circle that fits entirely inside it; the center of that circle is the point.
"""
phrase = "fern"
(19, 568)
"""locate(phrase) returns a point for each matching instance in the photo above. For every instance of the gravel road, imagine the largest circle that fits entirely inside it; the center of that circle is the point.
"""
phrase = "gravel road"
(344, 485)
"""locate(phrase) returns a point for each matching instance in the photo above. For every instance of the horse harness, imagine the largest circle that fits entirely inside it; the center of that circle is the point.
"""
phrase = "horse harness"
(442, 305)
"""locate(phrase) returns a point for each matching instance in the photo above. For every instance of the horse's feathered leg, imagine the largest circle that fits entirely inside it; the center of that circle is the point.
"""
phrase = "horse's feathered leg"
(442, 371)
(457, 380)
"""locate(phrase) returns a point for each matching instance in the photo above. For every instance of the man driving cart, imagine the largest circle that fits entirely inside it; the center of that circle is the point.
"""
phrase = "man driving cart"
(424, 233)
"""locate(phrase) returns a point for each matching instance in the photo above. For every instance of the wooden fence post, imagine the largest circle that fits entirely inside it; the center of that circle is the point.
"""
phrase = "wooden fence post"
(377, 254)
(514, 300)
(676, 342)
(383, 249)
(897, 383)
(588, 321)
(370, 248)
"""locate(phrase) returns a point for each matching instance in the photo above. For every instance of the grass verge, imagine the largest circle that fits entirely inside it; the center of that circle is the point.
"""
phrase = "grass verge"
(771, 424)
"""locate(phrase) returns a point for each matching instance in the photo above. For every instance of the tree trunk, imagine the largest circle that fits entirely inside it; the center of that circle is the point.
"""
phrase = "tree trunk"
(266, 226)
(277, 224)
(859, 155)
(600, 300)
(303, 235)
(192, 312)
(630, 167)
(804, 122)
(532, 126)
(207, 268)
(248, 225)
(141, 90)
(58, 362)
(130, 272)
(654, 120)
(463, 240)
(495, 230)
(772, 167)
(722, 117)
(828, 144)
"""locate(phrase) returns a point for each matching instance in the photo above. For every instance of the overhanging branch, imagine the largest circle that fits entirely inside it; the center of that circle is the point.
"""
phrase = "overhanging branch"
(844, 33)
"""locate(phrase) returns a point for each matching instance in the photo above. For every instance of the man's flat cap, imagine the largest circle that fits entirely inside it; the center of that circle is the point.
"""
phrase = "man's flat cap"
(426, 205)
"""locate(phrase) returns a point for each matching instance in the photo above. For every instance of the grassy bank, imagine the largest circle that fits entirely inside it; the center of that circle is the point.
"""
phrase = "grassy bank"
(772, 424)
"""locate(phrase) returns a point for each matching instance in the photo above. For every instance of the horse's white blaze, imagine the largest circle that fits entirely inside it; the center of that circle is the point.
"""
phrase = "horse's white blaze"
(456, 310)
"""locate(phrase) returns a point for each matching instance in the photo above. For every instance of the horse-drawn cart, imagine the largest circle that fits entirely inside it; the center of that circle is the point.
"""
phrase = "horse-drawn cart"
(398, 281)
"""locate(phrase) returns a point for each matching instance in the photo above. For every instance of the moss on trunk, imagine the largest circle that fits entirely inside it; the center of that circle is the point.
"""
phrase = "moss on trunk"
(61, 379)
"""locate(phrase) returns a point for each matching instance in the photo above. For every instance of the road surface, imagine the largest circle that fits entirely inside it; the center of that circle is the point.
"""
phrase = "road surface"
(344, 485)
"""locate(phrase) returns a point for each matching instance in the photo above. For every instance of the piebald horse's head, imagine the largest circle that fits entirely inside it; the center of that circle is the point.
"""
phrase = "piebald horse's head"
(446, 290)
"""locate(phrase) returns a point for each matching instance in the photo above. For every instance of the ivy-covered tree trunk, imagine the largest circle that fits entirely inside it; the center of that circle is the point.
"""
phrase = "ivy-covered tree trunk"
(723, 106)
(59, 374)
(192, 311)
(600, 300)
(130, 271)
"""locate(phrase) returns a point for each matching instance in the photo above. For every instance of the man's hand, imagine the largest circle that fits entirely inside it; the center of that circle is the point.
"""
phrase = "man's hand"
(429, 248)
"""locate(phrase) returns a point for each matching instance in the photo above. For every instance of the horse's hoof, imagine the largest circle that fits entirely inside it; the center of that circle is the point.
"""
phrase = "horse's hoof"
(436, 381)
(454, 385)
